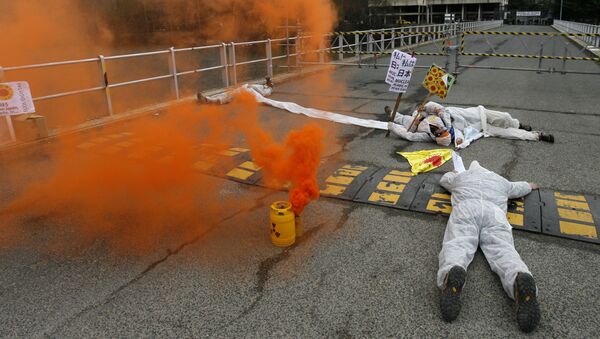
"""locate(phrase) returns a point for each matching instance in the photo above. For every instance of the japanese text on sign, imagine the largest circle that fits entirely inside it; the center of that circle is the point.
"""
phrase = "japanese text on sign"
(15, 98)
(400, 71)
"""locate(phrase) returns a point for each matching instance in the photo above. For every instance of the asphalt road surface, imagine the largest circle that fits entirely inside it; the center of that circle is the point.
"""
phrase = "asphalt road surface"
(360, 270)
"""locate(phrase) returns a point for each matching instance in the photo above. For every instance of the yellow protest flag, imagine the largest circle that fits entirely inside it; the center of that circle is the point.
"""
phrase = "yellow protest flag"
(425, 161)
(437, 81)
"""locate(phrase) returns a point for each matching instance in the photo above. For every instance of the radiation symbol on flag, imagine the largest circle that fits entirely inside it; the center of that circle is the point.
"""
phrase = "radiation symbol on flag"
(437, 81)
(6, 92)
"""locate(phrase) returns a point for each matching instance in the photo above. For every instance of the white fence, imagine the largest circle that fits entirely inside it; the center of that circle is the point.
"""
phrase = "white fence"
(369, 40)
(578, 27)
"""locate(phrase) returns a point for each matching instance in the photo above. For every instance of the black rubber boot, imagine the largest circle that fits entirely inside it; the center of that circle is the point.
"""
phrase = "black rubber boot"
(547, 138)
(201, 98)
(387, 110)
(525, 127)
(450, 298)
(528, 309)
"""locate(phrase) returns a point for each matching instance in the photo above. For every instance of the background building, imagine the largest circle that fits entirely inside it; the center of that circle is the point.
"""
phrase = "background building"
(395, 12)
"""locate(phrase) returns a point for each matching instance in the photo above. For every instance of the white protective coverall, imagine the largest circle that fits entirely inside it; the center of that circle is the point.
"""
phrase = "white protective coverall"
(423, 131)
(479, 203)
(491, 123)
(227, 97)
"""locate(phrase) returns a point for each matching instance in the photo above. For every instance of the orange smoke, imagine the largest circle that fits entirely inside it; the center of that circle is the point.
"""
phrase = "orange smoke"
(134, 186)
(294, 161)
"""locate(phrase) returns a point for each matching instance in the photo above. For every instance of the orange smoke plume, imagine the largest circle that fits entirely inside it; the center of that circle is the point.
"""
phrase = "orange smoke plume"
(294, 162)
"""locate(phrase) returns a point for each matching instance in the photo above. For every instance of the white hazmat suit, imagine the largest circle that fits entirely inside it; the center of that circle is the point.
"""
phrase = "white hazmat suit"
(489, 122)
(478, 218)
(226, 97)
(422, 132)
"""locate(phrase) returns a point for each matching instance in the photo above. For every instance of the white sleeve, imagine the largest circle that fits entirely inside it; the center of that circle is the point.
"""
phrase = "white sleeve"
(518, 189)
(447, 180)
(458, 135)
(403, 133)
(445, 116)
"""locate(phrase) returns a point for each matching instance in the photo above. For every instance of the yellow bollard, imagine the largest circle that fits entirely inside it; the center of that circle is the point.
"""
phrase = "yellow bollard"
(283, 231)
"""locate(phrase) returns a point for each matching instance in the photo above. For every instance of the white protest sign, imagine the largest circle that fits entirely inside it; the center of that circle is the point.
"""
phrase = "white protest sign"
(401, 68)
(394, 66)
(15, 98)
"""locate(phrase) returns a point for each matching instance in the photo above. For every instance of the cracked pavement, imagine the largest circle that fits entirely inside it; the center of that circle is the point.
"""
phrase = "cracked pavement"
(359, 270)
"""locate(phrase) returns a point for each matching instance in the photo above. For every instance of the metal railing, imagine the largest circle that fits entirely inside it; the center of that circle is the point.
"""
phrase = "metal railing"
(374, 41)
(370, 40)
(578, 27)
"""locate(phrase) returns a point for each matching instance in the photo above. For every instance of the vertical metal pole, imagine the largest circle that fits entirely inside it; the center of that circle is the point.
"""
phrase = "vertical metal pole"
(233, 65)
(357, 48)
(393, 38)
(564, 63)
(341, 48)
(321, 51)
(225, 65)
(104, 82)
(11, 128)
(560, 15)
(540, 58)
(173, 69)
(269, 58)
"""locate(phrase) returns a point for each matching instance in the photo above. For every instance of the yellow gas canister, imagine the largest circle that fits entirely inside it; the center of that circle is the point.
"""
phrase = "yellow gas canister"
(282, 217)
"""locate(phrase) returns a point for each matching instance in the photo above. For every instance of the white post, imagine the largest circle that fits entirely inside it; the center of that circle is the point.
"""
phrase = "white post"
(479, 12)
(173, 70)
(341, 48)
(225, 69)
(234, 65)
(270, 58)
(393, 38)
(104, 82)
(11, 128)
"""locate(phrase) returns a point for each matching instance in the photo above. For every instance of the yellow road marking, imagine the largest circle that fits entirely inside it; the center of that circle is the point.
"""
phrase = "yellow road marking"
(341, 180)
(250, 166)
(110, 150)
(348, 172)
(390, 187)
(99, 139)
(229, 153)
(239, 149)
(240, 173)
(138, 155)
(572, 228)
(166, 158)
(439, 206)
(126, 133)
(515, 219)
(384, 197)
(85, 145)
(115, 136)
(575, 215)
(355, 167)
(572, 204)
(333, 189)
(569, 196)
(202, 165)
(404, 174)
(396, 178)
(124, 144)
(441, 196)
